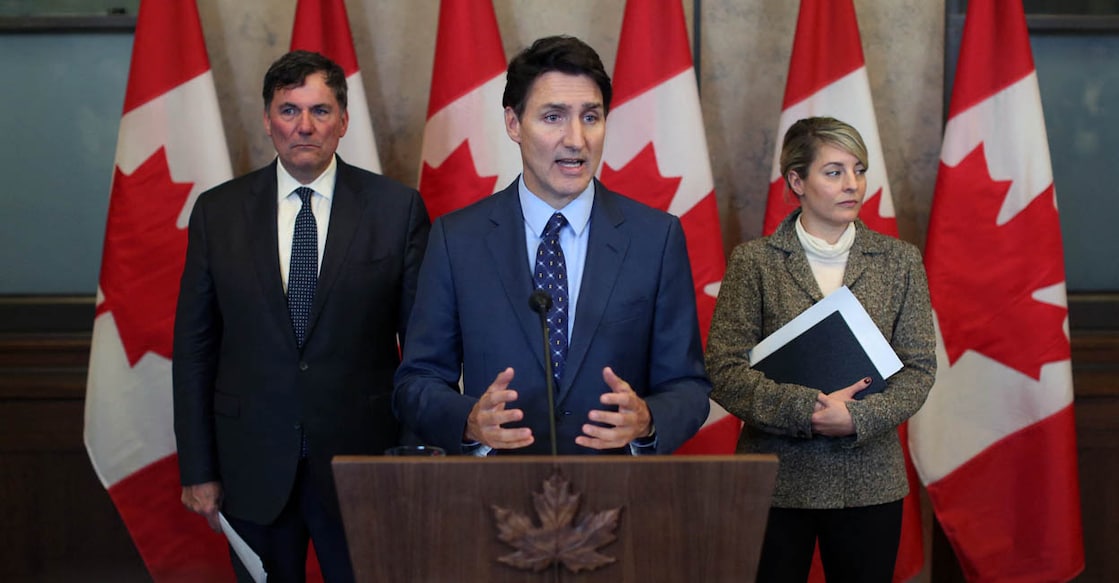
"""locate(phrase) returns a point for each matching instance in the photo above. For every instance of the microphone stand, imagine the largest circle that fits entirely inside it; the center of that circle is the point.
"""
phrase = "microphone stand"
(540, 302)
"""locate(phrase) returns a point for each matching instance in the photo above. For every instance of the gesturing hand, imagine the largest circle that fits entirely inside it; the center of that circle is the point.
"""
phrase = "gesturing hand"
(631, 421)
(484, 424)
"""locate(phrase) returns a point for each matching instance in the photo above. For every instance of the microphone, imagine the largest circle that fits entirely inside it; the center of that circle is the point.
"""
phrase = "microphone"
(540, 302)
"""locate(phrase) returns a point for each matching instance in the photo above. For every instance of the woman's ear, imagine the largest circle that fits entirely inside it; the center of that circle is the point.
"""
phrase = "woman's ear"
(795, 182)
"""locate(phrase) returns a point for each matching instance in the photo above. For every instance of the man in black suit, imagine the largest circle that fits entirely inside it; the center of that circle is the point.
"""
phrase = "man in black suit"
(299, 280)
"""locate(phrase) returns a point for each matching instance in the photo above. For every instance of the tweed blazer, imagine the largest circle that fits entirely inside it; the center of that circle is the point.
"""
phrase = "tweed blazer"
(769, 282)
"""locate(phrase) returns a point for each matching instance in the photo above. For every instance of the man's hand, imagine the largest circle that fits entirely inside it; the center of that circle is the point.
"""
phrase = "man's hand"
(484, 425)
(204, 499)
(630, 422)
(831, 416)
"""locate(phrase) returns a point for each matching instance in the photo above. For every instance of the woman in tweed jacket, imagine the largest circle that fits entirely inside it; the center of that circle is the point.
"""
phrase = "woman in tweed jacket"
(841, 475)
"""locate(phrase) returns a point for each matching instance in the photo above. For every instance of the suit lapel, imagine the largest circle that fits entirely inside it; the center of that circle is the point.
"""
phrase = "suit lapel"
(606, 249)
(796, 262)
(506, 244)
(260, 219)
(346, 211)
(858, 259)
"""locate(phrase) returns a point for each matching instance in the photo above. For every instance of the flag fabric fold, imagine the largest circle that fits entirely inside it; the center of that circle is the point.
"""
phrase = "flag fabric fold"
(656, 152)
(466, 153)
(828, 77)
(322, 26)
(995, 444)
(170, 148)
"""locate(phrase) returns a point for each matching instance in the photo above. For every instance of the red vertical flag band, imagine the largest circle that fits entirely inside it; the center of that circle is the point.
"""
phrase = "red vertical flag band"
(995, 443)
(170, 148)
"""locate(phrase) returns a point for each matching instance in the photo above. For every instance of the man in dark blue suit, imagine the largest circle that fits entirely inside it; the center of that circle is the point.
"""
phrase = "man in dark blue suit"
(623, 329)
(298, 283)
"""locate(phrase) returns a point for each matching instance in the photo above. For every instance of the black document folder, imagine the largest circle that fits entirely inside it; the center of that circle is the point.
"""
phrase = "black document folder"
(830, 346)
(827, 357)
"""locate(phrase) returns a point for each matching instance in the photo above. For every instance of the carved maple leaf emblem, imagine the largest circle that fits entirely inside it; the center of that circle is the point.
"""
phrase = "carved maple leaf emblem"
(453, 184)
(557, 539)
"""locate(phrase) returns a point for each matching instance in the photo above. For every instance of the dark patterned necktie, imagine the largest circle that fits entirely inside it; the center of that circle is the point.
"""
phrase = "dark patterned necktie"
(303, 269)
(551, 276)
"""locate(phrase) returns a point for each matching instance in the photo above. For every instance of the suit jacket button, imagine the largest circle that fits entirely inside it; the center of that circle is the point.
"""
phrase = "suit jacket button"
(304, 366)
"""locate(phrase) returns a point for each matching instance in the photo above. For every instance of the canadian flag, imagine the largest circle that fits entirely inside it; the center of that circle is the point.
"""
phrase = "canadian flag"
(656, 152)
(827, 77)
(322, 26)
(170, 148)
(466, 153)
(995, 443)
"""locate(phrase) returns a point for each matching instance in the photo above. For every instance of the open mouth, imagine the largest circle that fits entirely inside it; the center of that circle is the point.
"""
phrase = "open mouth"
(571, 163)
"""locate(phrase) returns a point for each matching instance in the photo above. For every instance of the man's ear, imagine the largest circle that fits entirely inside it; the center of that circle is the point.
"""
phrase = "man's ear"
(512, 125)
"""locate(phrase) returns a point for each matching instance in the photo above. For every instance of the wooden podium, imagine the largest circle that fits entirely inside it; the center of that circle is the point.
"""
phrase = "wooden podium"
(433, 519)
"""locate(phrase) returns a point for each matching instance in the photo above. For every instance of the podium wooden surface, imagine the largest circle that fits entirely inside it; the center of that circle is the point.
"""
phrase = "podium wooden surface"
(430, 520)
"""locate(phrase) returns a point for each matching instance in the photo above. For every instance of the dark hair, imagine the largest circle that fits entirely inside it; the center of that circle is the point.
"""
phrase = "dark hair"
(803, 140)
(565, 54)
(292, 70)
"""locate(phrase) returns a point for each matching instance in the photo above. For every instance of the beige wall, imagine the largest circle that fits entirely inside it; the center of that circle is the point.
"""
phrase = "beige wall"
(745, 52)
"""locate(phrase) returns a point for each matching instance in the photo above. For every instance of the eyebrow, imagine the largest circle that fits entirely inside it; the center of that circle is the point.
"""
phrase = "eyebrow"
(564, 106)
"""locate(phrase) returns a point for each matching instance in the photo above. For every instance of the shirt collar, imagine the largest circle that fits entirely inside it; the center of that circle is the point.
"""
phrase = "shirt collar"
(537, 212)
(323, 185)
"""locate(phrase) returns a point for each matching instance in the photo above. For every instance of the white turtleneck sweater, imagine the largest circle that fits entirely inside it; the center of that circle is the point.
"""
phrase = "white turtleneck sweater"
(827, 261)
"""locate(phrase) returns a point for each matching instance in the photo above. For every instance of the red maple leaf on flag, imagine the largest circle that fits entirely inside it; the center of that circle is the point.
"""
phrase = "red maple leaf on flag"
(871, 216)
(642, 180)
(143, 257)
(455, 183)
(982, 276)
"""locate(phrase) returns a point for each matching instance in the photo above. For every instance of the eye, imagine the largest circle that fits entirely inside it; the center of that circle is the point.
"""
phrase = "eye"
(287, 111)
(860, 171)
(832, 173)
(590, 118)
(321, 111)
(552, 117)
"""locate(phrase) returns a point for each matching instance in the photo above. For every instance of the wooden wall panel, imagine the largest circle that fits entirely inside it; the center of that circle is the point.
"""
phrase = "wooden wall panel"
(57, 523)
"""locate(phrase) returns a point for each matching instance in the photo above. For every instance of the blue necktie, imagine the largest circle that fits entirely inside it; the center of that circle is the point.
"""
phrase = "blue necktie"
(551, 276)
(304, 266)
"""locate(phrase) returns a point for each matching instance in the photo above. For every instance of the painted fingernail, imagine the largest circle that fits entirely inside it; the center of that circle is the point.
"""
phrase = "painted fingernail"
(867, 380)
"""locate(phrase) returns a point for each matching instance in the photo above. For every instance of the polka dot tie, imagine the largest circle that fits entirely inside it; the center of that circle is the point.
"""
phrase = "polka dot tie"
(303, 270)
(551, 276)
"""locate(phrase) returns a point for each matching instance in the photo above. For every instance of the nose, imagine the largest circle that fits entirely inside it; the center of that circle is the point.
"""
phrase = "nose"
(304, 124)
(574, 138)
(851, 181)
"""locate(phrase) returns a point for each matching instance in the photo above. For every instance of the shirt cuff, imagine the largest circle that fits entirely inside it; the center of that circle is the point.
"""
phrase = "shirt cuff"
(476, 449)
(645, 445)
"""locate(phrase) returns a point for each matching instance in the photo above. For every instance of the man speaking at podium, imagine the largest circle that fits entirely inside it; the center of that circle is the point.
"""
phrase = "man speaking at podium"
(623, 337)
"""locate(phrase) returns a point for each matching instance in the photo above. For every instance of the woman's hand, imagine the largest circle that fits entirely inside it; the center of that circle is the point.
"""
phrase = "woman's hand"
(831, 416)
